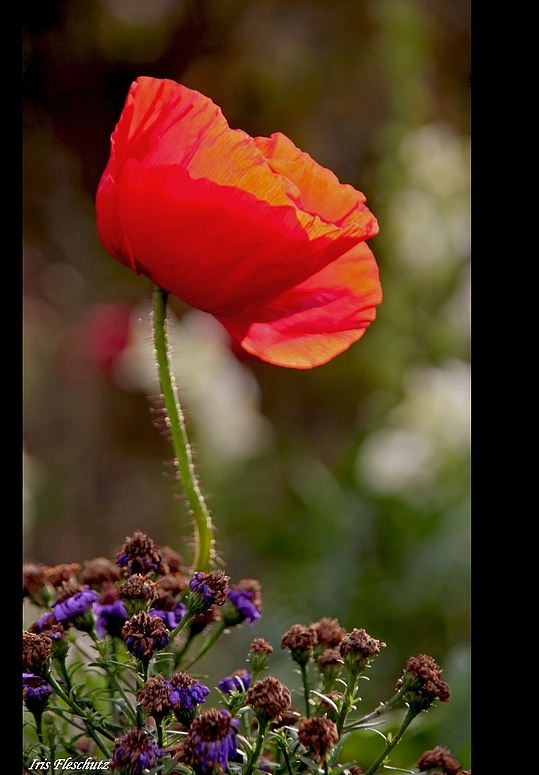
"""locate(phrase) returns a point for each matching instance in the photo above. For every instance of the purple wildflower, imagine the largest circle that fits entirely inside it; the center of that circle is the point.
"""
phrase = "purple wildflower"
(75, 605)
(243, 600)
(144, 635)
(134, 752)
(190, 692)
(212, 740)
(43, 622)
(158, 697)
(239, 681)
(35, 692)
(139, 555)
(211, 588)
(110, 618)
(171, 618)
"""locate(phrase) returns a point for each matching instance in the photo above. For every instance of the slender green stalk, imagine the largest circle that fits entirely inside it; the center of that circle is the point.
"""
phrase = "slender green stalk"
(159, 728)
(262, 728)
(183, 460)
(282, 746)
(180, 654)
(376, 713)
(348, 701)
(39, 726)
(213, 638)
(187, 619)
(90, 725)
(410, 715)
(306, 687)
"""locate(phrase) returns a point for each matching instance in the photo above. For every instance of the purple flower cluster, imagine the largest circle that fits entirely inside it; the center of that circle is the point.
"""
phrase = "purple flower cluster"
(171, 618)
(134, 752)
(198, 584)
(35, 691)
(243, 600)
(188, 697)
(213, 740)
(239, 682)
(143, 649)
(75, 605)
(110, 618)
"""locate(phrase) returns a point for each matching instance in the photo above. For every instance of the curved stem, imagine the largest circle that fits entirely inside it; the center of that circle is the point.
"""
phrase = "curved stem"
(376, 713)
(180, 654)
(183, 460)
(410, 715)
(213, 638)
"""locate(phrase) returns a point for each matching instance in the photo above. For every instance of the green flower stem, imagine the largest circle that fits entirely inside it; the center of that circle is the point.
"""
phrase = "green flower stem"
(38, 718)
(283, 748)
(64, 674)
(262, 728)
(376, 713)
(187, 619)
(114, 684)
(179, 655)
(348, 701)
(410, 715)
(306, 687)
(183, 460)
(159, 729)
(90, 726)
(213, 638)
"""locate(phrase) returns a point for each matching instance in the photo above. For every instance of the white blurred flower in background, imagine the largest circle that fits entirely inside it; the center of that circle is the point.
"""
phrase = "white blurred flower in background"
(218, 393)
(432, 422)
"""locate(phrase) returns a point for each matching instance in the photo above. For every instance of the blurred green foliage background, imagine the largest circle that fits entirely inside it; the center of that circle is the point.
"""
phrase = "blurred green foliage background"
(345, 489)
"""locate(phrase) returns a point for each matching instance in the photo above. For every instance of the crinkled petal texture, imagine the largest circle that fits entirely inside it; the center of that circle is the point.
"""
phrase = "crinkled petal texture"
(249, 229)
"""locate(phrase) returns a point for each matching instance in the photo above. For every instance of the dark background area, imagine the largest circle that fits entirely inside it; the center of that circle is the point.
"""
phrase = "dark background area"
(345, 489)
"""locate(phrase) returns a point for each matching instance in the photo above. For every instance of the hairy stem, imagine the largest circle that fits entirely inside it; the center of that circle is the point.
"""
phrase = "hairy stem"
(183, 460)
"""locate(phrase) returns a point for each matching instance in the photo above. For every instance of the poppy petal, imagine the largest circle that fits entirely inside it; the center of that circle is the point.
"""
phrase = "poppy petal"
(318, 319)
(219, 247)
(316, 189)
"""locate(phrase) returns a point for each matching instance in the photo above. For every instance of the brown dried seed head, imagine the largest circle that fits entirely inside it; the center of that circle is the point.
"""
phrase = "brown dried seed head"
(60, 574)
(217, 581)
(141, 553)
(360, 642)
(181, 680)
(299, 638)
(33, 578)
(329, 658)
(154, 696)
(99, 571)
(269, 696)
(424, 676)
(36, 649)
(138, 587)
(329, 632)
(171, 561)
(441, 760)
(262, 646)
(318, 734)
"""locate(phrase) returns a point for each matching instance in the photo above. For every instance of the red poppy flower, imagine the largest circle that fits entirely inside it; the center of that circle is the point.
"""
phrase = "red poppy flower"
(249, 229)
